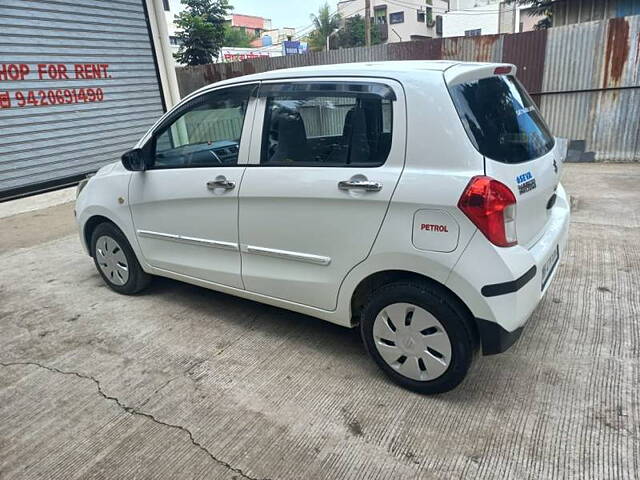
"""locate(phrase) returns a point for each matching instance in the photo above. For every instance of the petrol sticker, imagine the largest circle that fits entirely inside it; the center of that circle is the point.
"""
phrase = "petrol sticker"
(526, 182)
(434, 231)
(434, 228)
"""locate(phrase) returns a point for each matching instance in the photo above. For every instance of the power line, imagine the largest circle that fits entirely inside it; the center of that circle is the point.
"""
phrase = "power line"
(462, 11)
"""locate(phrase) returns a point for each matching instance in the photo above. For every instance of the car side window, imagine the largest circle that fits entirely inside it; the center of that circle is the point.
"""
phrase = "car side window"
(328, 126)
(207, 133)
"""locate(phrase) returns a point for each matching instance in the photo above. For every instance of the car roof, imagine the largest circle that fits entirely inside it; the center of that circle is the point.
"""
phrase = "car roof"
(355, 69)
(388, 69)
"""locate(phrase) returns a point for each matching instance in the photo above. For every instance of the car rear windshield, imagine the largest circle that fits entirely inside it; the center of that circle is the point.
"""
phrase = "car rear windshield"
(501, 119)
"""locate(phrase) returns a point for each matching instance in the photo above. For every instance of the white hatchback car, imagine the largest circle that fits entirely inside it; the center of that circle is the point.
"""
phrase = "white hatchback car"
(419, 200)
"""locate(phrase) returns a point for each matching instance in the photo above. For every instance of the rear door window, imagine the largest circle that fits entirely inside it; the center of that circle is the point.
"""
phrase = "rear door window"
(327, 124)
(501, 119)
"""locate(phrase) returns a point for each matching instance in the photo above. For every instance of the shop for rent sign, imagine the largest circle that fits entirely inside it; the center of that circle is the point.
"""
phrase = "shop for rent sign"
(16, 72)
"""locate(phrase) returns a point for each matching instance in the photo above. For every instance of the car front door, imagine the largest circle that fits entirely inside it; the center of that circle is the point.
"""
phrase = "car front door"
(318, 184)
(185, 205)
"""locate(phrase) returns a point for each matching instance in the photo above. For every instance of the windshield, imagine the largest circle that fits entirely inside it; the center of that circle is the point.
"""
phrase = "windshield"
(501, 119)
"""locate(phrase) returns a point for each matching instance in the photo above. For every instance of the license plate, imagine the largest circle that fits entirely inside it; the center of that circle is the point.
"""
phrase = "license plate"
(550, 265)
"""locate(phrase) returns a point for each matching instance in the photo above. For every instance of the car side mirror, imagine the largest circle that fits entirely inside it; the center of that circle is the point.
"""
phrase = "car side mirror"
(134, 160)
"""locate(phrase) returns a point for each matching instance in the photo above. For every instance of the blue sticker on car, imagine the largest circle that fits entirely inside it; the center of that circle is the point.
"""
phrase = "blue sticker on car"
(526, 182)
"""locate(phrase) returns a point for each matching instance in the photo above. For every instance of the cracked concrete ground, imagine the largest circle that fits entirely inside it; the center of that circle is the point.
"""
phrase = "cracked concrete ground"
(186, 383)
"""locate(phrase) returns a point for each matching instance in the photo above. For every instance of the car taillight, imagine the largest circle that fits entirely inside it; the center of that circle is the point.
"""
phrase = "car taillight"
(491, 206)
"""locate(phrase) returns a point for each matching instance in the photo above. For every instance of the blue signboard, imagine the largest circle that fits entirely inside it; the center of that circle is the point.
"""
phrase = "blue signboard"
(294, 47)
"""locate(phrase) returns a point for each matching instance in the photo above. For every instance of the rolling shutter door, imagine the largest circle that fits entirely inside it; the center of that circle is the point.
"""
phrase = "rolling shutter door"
(78, 87)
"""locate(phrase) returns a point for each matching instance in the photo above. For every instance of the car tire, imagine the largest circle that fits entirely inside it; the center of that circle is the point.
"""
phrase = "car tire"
(419, 335)
(115, 260)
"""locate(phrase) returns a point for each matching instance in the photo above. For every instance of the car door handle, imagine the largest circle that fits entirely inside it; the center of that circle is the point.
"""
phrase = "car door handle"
(221, 182)
(360, 185)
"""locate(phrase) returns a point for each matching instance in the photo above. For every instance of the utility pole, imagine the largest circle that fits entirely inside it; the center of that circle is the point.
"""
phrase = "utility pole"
(367, 22)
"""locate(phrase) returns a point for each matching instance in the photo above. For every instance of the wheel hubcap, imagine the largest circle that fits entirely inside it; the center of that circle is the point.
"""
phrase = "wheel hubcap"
(112, 260)
(412, 341)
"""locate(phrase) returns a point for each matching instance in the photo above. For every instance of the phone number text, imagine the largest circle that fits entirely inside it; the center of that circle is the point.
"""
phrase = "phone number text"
(43, 98)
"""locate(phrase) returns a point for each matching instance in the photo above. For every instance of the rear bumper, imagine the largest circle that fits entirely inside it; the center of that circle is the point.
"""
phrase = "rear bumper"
(495, 339)
(503, 286)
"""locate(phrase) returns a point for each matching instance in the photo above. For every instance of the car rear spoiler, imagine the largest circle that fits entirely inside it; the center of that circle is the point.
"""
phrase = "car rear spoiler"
(465, 72)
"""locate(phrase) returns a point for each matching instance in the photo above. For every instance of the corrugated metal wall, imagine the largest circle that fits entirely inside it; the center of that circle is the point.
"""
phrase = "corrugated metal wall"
(527, 51)
(94, 95)
(486, 48)
(569, 113)
(592, 86)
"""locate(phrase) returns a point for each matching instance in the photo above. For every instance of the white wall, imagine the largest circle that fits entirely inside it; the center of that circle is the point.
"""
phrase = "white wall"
(411, 25)
(484, 17)
(175, 7)
(528, 21)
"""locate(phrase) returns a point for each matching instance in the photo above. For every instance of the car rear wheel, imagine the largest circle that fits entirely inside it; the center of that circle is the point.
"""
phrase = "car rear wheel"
(115, 260)
(419, 336)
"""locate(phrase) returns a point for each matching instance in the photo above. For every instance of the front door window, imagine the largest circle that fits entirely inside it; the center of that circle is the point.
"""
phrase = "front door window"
(207, 134)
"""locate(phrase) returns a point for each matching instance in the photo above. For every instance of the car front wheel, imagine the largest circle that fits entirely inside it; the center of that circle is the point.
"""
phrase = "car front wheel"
(115, 260)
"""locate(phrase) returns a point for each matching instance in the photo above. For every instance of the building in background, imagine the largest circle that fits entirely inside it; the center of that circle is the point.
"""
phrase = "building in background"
(403, 21)
(279, 35)
(526, 20)
(399, 21)
(268, 40)
(171, 9)
(487, 17)
(569, 12)
(251, 25)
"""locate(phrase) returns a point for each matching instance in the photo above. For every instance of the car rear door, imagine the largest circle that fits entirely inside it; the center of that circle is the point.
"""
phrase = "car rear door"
(506, 127)
(322, 171)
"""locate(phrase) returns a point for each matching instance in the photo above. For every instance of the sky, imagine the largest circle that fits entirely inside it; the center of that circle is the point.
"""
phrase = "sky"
(283, 13)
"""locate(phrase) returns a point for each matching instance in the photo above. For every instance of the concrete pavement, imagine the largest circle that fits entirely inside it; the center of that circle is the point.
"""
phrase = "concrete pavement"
(182, 382)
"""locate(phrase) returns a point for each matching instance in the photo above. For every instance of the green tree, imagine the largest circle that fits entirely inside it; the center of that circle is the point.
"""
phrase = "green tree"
(537, 7)
(352, 33)
(201, 30)
(324, 25)
(235, 37)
